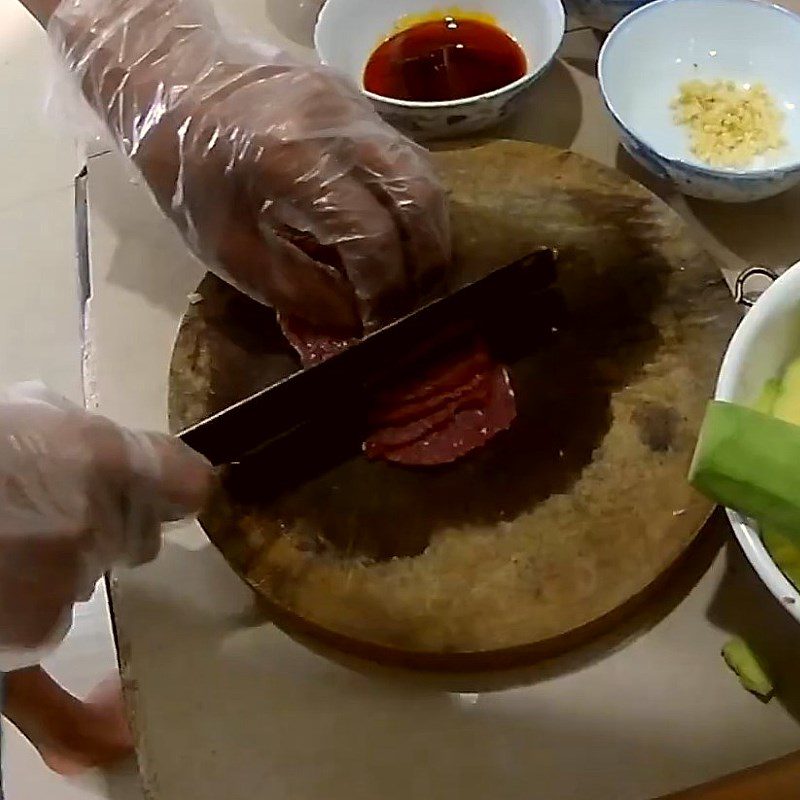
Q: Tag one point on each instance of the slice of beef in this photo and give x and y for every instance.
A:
(450, 398)
(467, 429)
(403, 413)
(457, 402)
(388, 436)
(311, 344)
(433, 382)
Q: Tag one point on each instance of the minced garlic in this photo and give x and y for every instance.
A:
(728, 125)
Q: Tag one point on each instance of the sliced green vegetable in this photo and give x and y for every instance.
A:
(731, 467)
(741, 659)
(751, 462)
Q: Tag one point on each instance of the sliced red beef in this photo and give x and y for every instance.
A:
(452, 402)
(468, 429)
(388, 435)
(438, 382)
(311, 344)
(404, 413)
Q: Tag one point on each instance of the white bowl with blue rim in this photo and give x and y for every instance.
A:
(661, 45)
(348, 31)
(602, 15)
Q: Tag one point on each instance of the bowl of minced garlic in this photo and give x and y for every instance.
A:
(729, 124)
(705, 94)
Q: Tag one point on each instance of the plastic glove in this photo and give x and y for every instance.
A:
(243, 148)
(78, 494)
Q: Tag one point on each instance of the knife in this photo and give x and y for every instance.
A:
(344, 380)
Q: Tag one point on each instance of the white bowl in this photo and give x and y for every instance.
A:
(764, 343)
(664, 43)
(348, 31)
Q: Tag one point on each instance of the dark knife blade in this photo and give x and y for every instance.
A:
(274, 412)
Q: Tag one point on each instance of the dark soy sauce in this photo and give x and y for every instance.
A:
(444, 59)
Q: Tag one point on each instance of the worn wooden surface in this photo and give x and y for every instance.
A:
(538, 541)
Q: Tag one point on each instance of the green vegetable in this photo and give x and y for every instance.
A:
(787, 404)
(751, 462)
(784, 552)
(781, 398)
(769, 394)
(735, 469)
(741, 659)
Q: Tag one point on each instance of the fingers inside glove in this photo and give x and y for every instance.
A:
(135, 482)
(40, 578)
(165, 473)
(219, 214)
(399, 173)
(320, 195)
(184, 476)
(271, 268)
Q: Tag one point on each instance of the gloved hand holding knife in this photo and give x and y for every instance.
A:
(245, 150)
(252, 155)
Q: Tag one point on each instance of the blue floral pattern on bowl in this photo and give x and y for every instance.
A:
(445, 122)
(695, 181)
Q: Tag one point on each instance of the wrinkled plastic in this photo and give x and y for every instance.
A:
(281, 176)
(78, 494)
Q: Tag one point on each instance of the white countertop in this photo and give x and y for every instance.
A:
(226, 705)
(40, 339)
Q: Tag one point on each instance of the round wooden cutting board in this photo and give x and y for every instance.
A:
(523, 549)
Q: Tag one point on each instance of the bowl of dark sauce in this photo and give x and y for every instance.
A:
(439, 72)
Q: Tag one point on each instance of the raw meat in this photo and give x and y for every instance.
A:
(468, 429)
(387, 436)
(311, 344)
(455, 399)
(453, 403)
(434, 384)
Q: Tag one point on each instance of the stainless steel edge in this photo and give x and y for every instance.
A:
(84, 280)
(81, 221)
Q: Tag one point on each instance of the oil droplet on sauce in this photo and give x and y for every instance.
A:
(448, 58)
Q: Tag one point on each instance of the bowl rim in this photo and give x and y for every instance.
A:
(744, 529)
(528, 77)
(654, 5)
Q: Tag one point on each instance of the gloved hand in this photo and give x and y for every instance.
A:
(78, 494)
(243, 148)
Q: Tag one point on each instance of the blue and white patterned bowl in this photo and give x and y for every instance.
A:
(666, 42)
(348, 31)
(602, 15)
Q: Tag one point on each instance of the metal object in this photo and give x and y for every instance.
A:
(740, 295)
(340, 384)
(81, 212)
